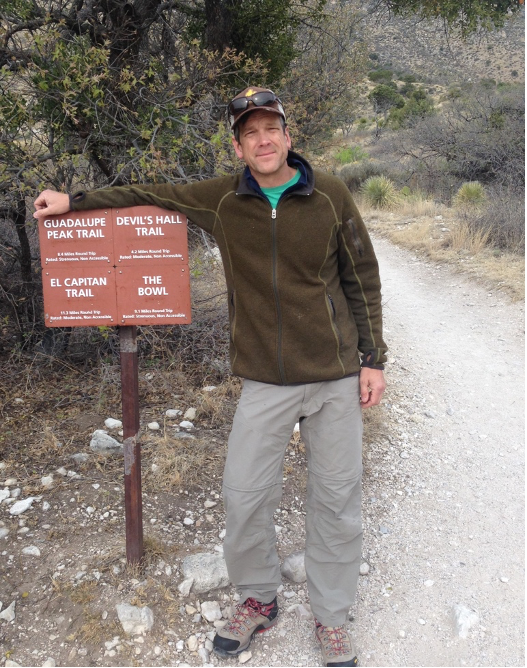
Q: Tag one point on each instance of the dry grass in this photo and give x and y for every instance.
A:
(444, 235)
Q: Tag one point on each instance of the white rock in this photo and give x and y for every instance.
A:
(188, 521)
(186, 424)
(204, 655)
(31, 551)
(46, 505)
(302, 612)
(428, 583)
(294, 567)
(504, 579)
(62, 470)
(4, 531)
(185, 586)
(421, 621)
(173, 413)
(211, 610)
(49, 663)
(12, 664)
(135, 620)
(110, 423)
(190, 414)
(464, 619)
(4, 494)
(180, 646)
(209, 388)
(8, 615)
(104, 444)
(10, 482)
(3, 466)
(20, 507)
(209, 571)
(364, 568)
(245, 656)
(46, 481)
(154, 426)
(210, 504)
(15, 493)
(192, 643)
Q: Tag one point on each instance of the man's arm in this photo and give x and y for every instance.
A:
(51, 203)
(372, 386)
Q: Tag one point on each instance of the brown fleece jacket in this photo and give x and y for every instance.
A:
(303, 282)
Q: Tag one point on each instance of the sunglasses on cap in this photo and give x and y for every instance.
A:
(258, 99)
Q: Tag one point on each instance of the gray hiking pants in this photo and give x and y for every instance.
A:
(331, 429)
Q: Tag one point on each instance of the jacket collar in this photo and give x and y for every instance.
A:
(249, 185)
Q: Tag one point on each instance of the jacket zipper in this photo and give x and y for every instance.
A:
(281, 368)
(334, 318)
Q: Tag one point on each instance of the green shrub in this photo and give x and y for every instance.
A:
(351, 154)
(355, 174)
(408, 78)
(380, 75)
(470, 194)
(380, 193)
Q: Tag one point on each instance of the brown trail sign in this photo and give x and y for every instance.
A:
(121, 267)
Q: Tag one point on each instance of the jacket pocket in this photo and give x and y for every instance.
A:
(357, 241)
(333, 313)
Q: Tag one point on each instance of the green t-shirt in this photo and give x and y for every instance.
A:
(274, 194)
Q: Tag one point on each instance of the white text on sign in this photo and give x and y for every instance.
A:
(153, 286)
(155, 221)
(79, 287)
(75, 228)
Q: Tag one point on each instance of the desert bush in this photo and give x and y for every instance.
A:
(382, 76)
(380, 193)
(351, 154)
(355, 174)
(504, 219)
(470, 194)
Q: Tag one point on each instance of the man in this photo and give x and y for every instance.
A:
(306, 336)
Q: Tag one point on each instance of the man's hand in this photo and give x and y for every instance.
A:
(372, 386)
(51, 203)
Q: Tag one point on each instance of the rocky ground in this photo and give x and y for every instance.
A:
(442, 575)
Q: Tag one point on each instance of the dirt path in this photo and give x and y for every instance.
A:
(443, 515)
(455, 527)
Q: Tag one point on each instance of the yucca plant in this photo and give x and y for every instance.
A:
(380, 193)
(471, 194)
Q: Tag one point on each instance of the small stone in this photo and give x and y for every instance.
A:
(245, 656)
(20, 507)
(464, 619)
(209, 388)
(46, 481)
(211, 610)
(46, 505)
(404, 455)
(384, 530)
(8, 615)
(135, 620)
(450, 410)
(49, 663)
(504, 579)
(104, 444)
(173, 413)
(192, 643)
(197, 618)
(428, 583)
(15, 493)
(402, 634)
(4, 494)
(430, 414)
(63, 471)
(294, 567)
(188, 521)
(364, 568)
(80, 457)
(180, 646)
(154, 426)
(421, 621)
(289, 594)
(10, 482)
(210, 504)
(190, 609)
(110, 423)
(185, 586)
(12, 664)
(31, 551)
(186, 424)
(302, 612)
(4, 531)
(157, 650)
(190, 414)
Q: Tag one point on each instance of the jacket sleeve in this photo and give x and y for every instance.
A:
(198, 201)
(359, 277)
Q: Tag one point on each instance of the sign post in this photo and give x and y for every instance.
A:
(118, 267)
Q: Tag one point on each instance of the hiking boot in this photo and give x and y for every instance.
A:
(249, 618)
(335, 642)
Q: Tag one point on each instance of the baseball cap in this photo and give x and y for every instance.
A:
(252, 99)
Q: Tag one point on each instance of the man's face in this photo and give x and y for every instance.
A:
(263, 146)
